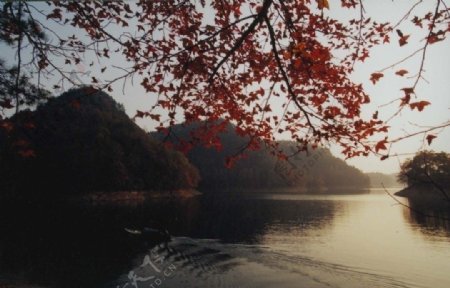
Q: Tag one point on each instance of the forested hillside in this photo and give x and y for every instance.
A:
(314, 171)
(84, 141)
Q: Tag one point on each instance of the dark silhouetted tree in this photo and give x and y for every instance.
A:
(426, 168)
(83, 141)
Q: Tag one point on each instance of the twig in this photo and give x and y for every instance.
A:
(447, 124)
(237, 45)
(283, 72)
(19, 53)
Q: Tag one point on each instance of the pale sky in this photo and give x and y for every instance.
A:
(436, 91)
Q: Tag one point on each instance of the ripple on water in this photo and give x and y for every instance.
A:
(188, 262)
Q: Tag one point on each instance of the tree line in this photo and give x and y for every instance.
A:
(83, 141)
(315, 170)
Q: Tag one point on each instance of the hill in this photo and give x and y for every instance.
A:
(315, 171)
(83, 141)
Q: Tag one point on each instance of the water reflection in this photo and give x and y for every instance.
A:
(229, 241)
(432, 218)
(63, 246)
(245, 220)
(83, 245)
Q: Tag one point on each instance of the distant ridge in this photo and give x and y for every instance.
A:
(317, 171)
(378, 180)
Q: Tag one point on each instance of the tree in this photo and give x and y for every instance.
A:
(16, 89)
(427, 170)
(218, 59)
(82, 141)
(315, 171)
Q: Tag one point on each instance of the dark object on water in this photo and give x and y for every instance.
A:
(151, 235)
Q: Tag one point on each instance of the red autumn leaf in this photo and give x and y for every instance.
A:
(6, 125)
(75, 104)
(27, 153)
(155, 117)
(21, 143)
(158, 78)
(6, 104)
(349, 3)
(384, 157)
(229, 162)
(29, 125)
(374, 77)
(436, 37)
(89, 90)
(403, 40)
(322, 4)
(405, 100)
(430, 138)
(42, 64)
(375, 115)
(417, 21)
(381, 145)
(56, 14)
(184, 147)
(140, 114)
(401, 72)
(433, 39)
(419, 105)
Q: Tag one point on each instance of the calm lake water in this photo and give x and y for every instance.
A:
(266, 240)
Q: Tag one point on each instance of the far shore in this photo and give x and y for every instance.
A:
(137, 196)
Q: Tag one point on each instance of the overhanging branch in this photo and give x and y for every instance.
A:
(283, 72)
(259, 18)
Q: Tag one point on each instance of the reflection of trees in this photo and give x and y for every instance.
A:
(430, 216)
(237, 219)
(67, 246)
(62, 246)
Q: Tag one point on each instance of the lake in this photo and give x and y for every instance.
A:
(262, 240)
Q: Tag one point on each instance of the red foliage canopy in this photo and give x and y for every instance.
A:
(270, 67)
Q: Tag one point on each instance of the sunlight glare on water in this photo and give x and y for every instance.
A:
(371, 233)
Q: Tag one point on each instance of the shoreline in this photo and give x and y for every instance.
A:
(136, 196)
(421, 193)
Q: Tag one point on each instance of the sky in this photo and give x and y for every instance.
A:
(436, 88)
